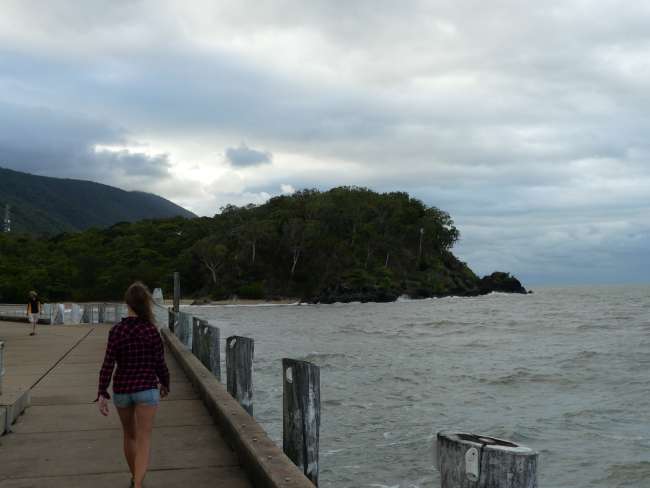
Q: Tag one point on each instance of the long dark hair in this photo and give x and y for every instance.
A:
(138, 297)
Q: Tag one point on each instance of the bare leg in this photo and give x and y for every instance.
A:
(144, 415)
(127, 417)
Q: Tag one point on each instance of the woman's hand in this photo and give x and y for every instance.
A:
(164, 391)
(102, 404)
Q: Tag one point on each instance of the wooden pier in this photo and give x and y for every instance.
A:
(61, 440)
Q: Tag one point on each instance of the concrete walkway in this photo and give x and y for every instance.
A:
(63, 441)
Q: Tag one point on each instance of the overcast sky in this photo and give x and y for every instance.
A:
(527, 121)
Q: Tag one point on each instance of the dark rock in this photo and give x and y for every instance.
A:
(344, 294)
(500, 282)
(201, 301)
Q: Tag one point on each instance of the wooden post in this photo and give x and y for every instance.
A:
(239, 370)
(177, 291)
(171, 319)
(2, 365)
(183, 329)
(301, 415)
(474, 461)
(206, 345)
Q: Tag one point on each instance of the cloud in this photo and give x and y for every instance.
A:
(286, 189)
(527, 123)
(57, 143)
(243, 156)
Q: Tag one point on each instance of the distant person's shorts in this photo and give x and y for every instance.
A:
(33, 318)
(144, 397)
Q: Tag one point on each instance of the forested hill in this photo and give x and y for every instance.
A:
(346, 244)
(45, 205)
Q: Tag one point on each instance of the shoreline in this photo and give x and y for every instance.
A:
(198, 302)
(236, 301)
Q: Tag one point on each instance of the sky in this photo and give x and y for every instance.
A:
(527, 121)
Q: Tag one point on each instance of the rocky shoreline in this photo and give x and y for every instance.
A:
(496, 282)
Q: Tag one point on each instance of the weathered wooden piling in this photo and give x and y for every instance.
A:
(2, 367)
(301, 415)
(183, 328)
(171, 319)
(239, 370)
(475, 461)
(177, 291)
(206, 345)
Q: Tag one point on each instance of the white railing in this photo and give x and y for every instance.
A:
(13, 310)
(68, 313)
(19, 311)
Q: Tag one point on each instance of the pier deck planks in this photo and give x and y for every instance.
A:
(62, 441)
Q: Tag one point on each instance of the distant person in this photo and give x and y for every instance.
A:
(33, 310)
(140, 380)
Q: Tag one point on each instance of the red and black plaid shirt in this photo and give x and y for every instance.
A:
(136, 346)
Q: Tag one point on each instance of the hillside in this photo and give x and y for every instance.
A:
(346, 244)
(45, 205)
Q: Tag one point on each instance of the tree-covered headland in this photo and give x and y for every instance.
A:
(345, 244)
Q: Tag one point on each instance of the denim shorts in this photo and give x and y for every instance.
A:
(144, 397)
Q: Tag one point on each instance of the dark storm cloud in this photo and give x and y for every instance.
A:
(56, 143)
(243, 156)
(189, 90)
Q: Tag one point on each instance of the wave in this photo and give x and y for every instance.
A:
(591, 412)
(629, 474)
(582, 359)
(526, 376)
(325, 359)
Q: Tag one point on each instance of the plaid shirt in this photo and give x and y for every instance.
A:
(137, 348)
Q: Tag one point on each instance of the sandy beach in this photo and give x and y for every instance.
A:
(236, 301)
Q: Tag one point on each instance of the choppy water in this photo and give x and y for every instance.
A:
(564, 371)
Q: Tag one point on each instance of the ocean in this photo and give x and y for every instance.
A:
(565, 371)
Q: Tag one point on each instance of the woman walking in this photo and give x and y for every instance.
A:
(140, 380)
(33, 311)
